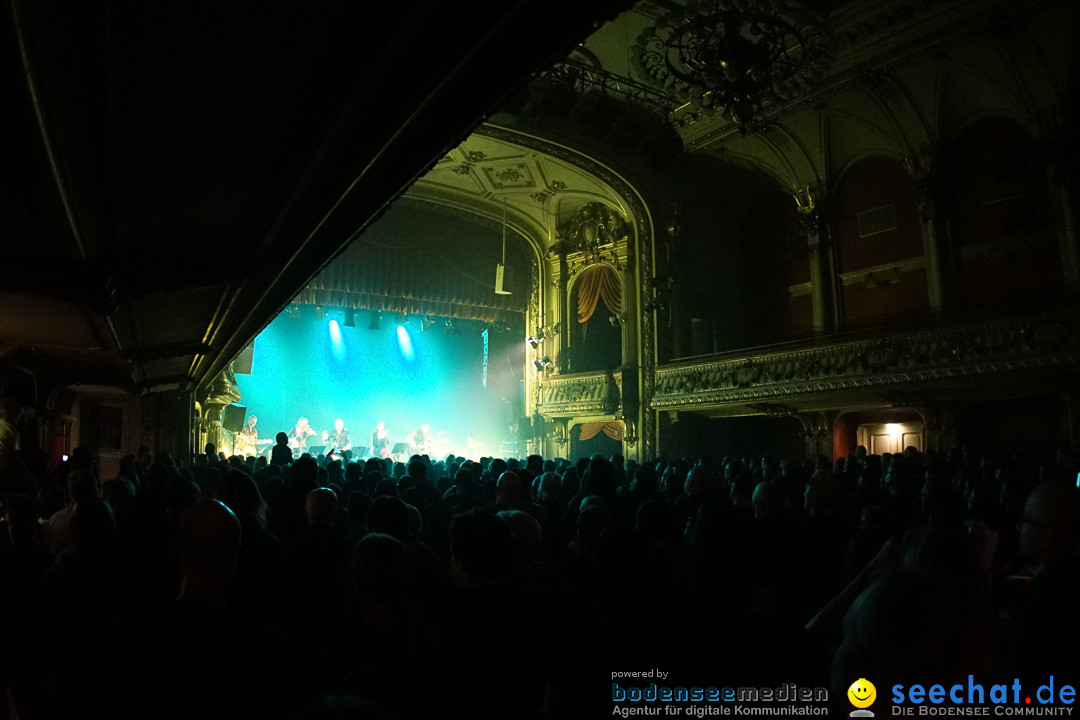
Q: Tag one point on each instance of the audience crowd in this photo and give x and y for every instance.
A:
(505, 588)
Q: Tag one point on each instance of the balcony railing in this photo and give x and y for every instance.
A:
(896, 362)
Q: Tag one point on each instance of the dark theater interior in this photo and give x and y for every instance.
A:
(529, 360)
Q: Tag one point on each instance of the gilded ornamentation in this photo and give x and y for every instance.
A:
(585, 394)
(507, 177)
(554, 188)
(974, 350)
(592, 229)
(471, 158)
(639, 248)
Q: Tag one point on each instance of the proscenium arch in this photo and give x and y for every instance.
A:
(641, 238)
(518, 225)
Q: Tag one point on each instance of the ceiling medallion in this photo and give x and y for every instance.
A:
(736, 56)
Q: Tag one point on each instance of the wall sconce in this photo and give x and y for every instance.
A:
(558, 435)
(616, 320)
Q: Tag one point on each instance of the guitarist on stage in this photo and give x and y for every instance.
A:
(245, 439)
(422, 441)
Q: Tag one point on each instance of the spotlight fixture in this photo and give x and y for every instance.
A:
(350, 318)
(534, 341)
(542, 363)
(374, 320)
(427, 323)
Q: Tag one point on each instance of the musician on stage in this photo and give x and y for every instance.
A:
(422, 440)
(339, 438)
(245, 439)
(298, 437)
(380, 441)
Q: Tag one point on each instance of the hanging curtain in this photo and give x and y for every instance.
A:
(590, 430)
(596, 283)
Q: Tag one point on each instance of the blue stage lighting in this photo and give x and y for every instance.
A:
(337, 344)
(405, 343)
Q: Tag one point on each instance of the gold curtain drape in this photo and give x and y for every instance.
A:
(590, 430)
(596, 283)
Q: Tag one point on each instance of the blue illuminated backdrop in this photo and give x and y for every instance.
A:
(315, 367)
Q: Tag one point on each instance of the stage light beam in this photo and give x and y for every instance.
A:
(337, 343)
(405, 343)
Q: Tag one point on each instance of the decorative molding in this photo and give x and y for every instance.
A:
(591, 232)
(553, 188)
(978, 350)
(639, 250)
(886, 274)
(868, 38)
(472, 157)
(580, 394)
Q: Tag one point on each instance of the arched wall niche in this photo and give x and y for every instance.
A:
(877, 236)
(1002, 215)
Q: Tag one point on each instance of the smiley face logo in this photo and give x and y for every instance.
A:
(862, 693)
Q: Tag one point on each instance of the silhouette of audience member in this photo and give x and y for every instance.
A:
(197, 659)
(460, 497)
(257, 587)
(390, 515)
(1043, 631)
(527, 536)
(387, 646)
(483, 620)
(58, 531)
(281, 453)
(907, 626)
(318, 565)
